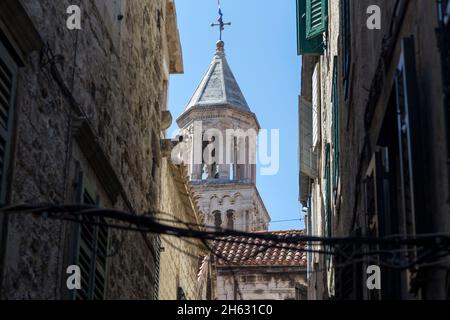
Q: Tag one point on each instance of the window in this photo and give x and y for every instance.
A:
(8, 79)
(395, 179)
(349, 272)
(180, 294)
(92, 241)
(447, 13)
(316, 17)
(301, 292)
(308, 158)
(230, 220)
(444, 11)
(335, 128)
(217, 220)
(312, 21)
(327, 225)
(345, 42)
(316, 106)
(411, 145)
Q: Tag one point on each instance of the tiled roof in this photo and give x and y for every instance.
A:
(244, 251)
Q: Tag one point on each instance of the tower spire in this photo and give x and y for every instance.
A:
(220, 23)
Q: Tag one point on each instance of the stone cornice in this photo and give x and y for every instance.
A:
(217, 185)
(263, 269)
(173, 40)
(198, 113)
(97, 158)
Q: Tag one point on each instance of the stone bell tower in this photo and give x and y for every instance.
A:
(221, 131)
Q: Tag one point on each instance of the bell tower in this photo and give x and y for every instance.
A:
(221, 132)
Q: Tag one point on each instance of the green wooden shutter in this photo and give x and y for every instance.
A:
(8, 80)
(91, 249)
(316, 17)
(306, 46)
(345, 42)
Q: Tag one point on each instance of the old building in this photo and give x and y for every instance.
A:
(253, 269)
(374, 143)
(82, 116)
(226, 183)
(219, 134)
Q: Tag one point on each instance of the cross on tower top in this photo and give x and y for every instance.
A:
(221, 24)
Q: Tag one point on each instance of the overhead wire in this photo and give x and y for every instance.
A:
(435, 242)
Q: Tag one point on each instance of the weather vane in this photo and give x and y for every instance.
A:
(221, 24)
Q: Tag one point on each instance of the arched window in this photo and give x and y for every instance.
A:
(247, 220)
(210, 170)
(230, 219)
(217, 220)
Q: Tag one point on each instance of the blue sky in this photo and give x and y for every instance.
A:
(261, 50)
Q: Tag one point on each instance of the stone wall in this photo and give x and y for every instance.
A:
(364, 116)
(112, 75)
(375, 55)
(242, 198)
(179, 257)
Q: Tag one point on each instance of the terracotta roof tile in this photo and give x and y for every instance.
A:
(244, 251)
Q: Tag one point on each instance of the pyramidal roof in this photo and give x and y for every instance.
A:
(219, 86)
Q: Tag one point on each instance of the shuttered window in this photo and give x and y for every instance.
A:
(412, 148)
(309, 37)
(345, 42)
(316, 106)
(447, 13)
(8, 79)
(335, 127)
(92, 250)
(327, 224)
(181, 296)
(444, 11)
(350, 271)
(316, 17)
(308, 157)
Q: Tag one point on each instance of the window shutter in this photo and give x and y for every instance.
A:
(335, 127)
(316, 106)
(308, 158)
(156, 240)
(345, 41)
(305, 46)
(180, 294)
(445, 7)
(91, 249)
(316, 17)
(411, 147)
(8, 79)
(327, 225)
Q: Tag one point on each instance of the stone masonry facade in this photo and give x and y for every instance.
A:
(179, 256)
(88, 101)
(358, 139)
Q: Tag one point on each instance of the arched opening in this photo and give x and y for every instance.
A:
(217, 220)
(230, 220)
(210, 168)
